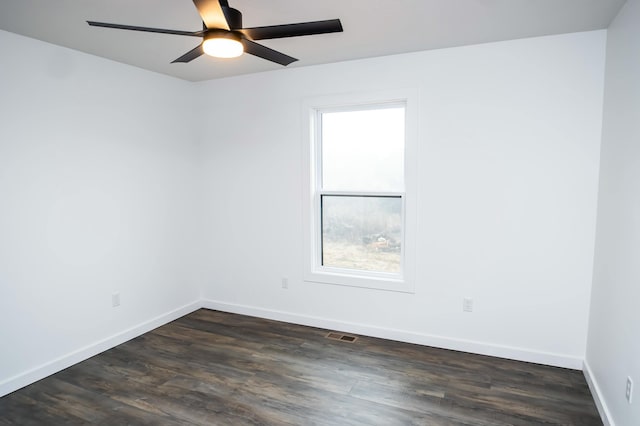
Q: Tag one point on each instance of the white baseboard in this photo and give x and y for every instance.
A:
(482, 348)
(601, 405)
(16, 382)
(21, 380)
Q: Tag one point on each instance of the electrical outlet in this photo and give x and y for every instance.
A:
(467, 304)
(629, 391)
(285, 282)
(115, 300)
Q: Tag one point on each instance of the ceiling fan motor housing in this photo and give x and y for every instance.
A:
(216, 33)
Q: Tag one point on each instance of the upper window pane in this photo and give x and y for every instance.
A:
(363, 150)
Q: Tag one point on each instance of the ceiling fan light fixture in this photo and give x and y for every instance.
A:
(223, 36)
(223, 45)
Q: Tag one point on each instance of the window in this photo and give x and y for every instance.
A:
(357, 218)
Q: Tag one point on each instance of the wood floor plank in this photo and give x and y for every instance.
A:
(215, 368)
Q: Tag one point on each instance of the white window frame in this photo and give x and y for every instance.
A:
(314, 271)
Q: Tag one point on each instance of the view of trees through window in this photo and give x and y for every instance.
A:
(362, 232)
(362, 184)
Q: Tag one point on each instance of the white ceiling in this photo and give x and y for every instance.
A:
(371, 28)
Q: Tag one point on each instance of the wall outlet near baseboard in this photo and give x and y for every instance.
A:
(467, 304)
(629, 391)
(115, 299)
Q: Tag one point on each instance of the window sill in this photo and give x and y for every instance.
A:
(374, 282)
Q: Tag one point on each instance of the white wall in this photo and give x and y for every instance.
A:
(508, 175)
(98, 194)
(101, 190)
(613, 351)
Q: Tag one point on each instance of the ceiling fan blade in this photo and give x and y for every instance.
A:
(266, 53)
(212, 14)
(145, 29)
(190, 55)
(293, 30)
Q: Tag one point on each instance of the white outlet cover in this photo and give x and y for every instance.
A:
(467, 304)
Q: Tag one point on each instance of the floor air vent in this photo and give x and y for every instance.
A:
(341, 337)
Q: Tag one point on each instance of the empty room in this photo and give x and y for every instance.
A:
(333, 213)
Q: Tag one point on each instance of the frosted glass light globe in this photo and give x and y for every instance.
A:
(222, 47)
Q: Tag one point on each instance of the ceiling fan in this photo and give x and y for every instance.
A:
(223, 36)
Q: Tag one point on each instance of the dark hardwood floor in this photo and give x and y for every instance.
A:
(214, 368)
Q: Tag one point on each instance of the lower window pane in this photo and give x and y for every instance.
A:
(362, 232)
